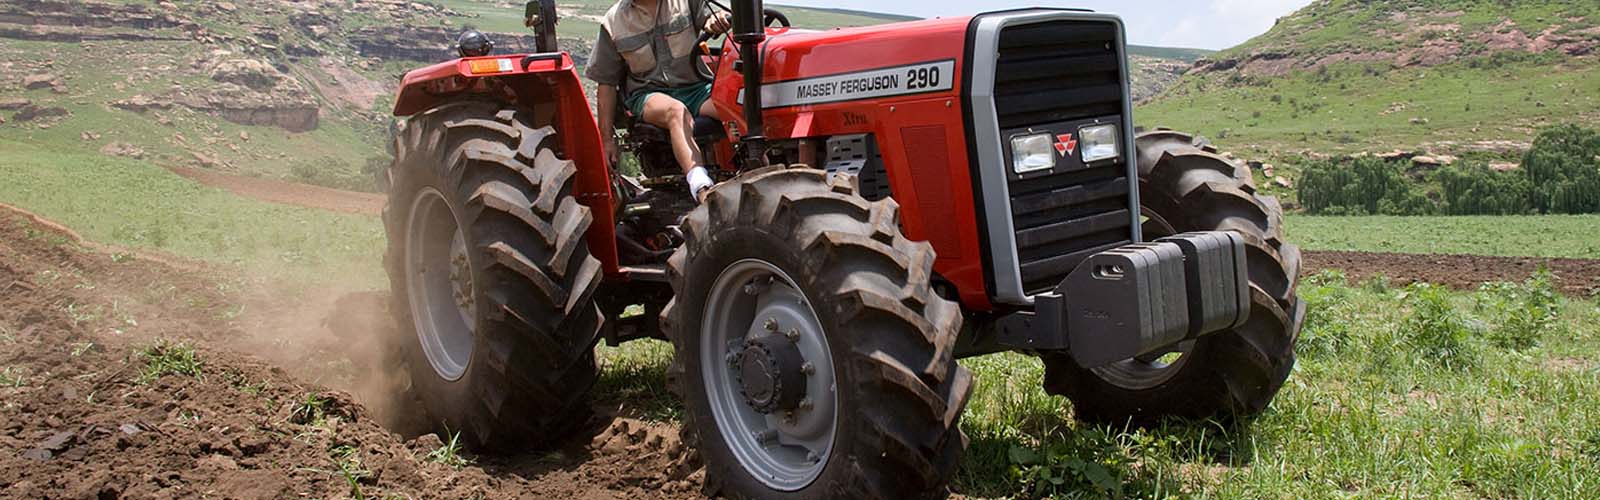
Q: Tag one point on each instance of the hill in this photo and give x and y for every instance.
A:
(1447, 76)
(1174, 53)
(283, 89)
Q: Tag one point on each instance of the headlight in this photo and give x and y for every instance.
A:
(1099, 143)
(1032, 152)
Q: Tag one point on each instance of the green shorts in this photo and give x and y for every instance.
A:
(692, 97)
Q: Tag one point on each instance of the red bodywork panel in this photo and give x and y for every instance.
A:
(544, 81)
(922, 137)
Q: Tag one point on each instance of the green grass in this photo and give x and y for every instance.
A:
(1571, 236)
(449, 453)
(1333, 25)
(166, 358)
(1181, 54)
(1374, 409)
(1479, 95)
(340, 145)
(13, 377)
(1398, 392)
(579, 18)
(311, 410)
(348, 464)
(1350, 109)
(134, 203)
(634, 377)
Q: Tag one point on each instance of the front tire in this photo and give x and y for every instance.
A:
(1184, 185)
(782, 252)
(491, 276)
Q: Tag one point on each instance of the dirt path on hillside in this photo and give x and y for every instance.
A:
(76, 421)
(287, 193)
(1575, 277)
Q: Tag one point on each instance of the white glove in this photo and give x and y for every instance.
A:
(699, 181)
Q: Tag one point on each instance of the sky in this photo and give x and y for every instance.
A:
(1201, 24)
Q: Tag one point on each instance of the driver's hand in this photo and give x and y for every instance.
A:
(718, 24)
(613, 153)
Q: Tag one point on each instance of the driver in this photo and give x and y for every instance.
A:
(646, 54)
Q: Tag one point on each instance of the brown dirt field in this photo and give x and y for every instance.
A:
(287, 193)
(1576, 277)
(78, 423)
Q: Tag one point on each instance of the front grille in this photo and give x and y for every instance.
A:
(1057, 71)
(1048, 74)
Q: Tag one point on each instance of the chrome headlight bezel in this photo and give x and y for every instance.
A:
(1032, 152)
(1102, 142)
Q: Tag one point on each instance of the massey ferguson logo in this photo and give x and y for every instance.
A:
(1065, 144)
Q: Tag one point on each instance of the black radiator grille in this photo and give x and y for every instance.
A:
(1057, 71)
(1049, 73)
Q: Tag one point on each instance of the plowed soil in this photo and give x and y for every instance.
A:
(1576, 277)
(77, 421)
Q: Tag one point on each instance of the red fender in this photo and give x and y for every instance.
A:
(530, 81)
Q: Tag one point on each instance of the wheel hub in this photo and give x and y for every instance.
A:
(439, 284)
(770, 374)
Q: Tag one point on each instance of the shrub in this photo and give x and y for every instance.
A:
(1327, 329)
(1524, 313)
(1479, 190)
(1563, 169)
(1437, 331)
(1360, 186)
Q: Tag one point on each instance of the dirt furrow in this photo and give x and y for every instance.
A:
(277, 408)
(1576, 277)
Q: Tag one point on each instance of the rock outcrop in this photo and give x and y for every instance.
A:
(72, 21)
(245, 91)
(434, 44)
(33, 112)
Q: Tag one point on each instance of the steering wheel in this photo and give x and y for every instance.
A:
(768, 16)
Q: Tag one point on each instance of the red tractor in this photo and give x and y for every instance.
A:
(954, 187)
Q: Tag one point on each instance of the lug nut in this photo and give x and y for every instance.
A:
(765, 437)
(807, 405)
(808, 368)
(732, 359)
(793, 335)
(755, 287)
(771, 324)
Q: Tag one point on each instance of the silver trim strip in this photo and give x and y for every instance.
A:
(986, 131)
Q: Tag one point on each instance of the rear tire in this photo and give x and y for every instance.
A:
(510, 363)
(1184, 185)
(890, 340)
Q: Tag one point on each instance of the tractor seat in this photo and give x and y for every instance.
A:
(704, 128)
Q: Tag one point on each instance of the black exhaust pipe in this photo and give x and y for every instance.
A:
(749, 31)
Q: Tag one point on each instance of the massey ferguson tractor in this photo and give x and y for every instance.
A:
(892, 199)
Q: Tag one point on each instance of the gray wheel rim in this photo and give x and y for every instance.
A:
(439, 284)
(786, 451)
(1156, 368)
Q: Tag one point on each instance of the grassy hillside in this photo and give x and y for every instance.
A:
(1450, 76)
(580, 18)
(1174, 53)
(135, 204)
